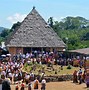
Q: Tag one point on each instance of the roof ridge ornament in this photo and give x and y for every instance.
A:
(34, 7)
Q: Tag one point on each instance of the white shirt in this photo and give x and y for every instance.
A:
(27, 76)
(3, 73)
(43, 81)
(10, 75)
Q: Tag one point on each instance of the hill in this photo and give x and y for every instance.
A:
(1, 29)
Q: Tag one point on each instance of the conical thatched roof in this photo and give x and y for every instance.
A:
(34, 32)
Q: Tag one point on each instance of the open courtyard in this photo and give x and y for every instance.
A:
(65, 85)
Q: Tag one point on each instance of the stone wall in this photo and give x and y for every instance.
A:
(59, 78)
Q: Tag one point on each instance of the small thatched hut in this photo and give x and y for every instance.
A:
(33, 34)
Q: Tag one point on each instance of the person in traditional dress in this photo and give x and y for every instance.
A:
(80, 76)
(27, 76)
(22, 86)
(3, 74)
(83, 76)
(29, 85)
(32, 76)
(17, 87)
(43, 84)
(75, 77)
(36, 83)
(15, 76)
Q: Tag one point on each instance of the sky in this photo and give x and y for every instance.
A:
(12, 11)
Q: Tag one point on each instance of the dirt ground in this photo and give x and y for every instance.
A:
(66, 85)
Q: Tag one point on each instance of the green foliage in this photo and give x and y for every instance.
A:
(74, 40)
(50, 21)
(4, 33)
(68, 67)
(7, 32)
(85, 37)
(74, 31)
(15, 26)
(72, 23)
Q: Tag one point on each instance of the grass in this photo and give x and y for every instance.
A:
(48, 70)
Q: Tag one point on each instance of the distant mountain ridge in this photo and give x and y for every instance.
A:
(1, 29)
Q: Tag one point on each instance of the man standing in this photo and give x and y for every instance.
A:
(43, 84)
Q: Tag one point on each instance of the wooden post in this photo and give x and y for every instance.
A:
(31, 49)
(41, 50)
(50, 49)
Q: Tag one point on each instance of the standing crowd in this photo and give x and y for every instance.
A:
(11, 68)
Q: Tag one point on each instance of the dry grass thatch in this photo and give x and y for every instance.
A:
(34, 32)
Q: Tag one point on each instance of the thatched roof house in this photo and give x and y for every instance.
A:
(34, 32)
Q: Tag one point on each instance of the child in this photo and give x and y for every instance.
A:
(29, 85)
(22, 86)
(16, 88)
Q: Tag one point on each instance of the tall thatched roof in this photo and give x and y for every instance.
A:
(34, 32)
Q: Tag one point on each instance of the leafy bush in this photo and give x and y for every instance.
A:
(69, 67)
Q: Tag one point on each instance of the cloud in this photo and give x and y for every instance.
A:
(58, 18)
(16, 17)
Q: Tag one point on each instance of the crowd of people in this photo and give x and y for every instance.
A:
(11, 67)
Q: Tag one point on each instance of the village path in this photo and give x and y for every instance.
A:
(65, 85)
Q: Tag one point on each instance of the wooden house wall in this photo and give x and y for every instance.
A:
(15, 50)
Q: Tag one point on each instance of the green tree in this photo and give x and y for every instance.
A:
(5, 33)
(50, 21)
(15, 26)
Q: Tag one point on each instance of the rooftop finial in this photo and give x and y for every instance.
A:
(33, 7)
